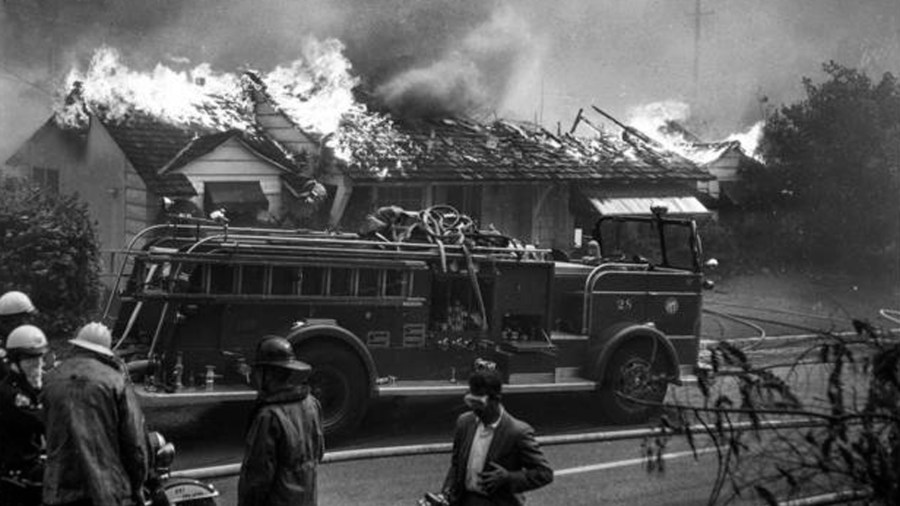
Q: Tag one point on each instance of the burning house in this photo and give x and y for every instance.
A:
(724, 160)
(293, 147)
(526, 181)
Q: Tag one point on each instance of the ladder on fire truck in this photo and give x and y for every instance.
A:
(201, 241)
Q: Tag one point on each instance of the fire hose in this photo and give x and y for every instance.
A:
(230, 470)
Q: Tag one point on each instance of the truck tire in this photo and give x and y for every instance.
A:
(338, 381)
(631, 370)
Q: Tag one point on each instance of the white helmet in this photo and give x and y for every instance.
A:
(95, 337)
(26, 340)
(12, 303)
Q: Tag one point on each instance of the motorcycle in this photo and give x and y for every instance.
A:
(164, 490)
(161, 489)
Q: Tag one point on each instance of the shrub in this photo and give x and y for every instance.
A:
(849, 441)
(48, 249)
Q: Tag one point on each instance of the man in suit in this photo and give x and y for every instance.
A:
(495, 456)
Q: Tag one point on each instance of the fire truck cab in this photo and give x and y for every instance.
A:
(382, 318)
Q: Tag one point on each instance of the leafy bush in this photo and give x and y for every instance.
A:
(752, 240)
(48, 249)
(833, 165)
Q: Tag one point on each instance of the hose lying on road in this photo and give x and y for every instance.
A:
(228, 470)
(890, 314)
(737, 319)
(772, 310)
(842, 497)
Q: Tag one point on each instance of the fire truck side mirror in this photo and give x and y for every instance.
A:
(712, 263)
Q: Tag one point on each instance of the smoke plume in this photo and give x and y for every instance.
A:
(522, 59)
(470, 77)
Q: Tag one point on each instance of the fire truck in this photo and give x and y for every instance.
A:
(409, 312)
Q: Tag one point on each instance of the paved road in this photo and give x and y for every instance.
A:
(608, 474)
(587, 474)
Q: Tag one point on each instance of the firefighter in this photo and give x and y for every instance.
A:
(593, 256)
(285, 442)
(21, 425)
(96, 441)
(15, 309)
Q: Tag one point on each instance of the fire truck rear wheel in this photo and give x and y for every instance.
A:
(338, 381)
(632, 372)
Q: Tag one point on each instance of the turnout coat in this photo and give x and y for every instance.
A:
(21, 427)
(512, 447)
(96, 440)
(284, 446)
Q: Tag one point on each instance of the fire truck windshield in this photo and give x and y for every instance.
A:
(665, 243)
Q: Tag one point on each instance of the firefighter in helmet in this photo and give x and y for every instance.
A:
(15, 309)
(284, 443)
(21, 424)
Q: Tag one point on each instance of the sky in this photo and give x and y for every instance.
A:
(517, 59)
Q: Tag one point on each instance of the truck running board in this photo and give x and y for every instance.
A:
(441, 388)
(193, 397)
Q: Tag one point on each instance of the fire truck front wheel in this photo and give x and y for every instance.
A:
(632, 373)
(338, 381)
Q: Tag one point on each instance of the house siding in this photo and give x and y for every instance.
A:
(103, 182)
(508, 207)
(724, 169)
(91, 165)
(553, 224)
(232, 162)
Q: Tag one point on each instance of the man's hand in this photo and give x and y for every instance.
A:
(495, 479)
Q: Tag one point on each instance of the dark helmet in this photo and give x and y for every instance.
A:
(276, 351)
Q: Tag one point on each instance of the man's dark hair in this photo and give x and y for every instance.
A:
(486, 381)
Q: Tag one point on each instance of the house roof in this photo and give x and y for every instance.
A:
(706, 153)
(149, 144)
(156, 148)
(260, 144)
(410, 150)
(465, 150)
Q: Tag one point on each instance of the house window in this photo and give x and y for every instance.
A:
(407, 197)
(46, 179)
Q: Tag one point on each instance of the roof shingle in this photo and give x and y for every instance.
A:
(463, 150)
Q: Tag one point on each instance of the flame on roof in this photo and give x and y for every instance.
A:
(313, 92)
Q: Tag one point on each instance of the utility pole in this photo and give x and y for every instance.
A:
(698, 16)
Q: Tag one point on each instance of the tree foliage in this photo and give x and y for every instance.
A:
(849, 440)
(833, 161)
(48, 249)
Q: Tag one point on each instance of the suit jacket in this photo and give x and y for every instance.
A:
(512, 447)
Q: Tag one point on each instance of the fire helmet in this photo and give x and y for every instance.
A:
(95, 337)
(26, 340)
(14, 303)
(276, 351)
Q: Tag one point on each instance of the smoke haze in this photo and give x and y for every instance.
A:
(525, 59)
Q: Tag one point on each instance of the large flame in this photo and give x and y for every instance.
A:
(750, 139)
(314, 92)
(663, 122)
(197, 97)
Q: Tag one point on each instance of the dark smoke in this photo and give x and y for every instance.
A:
(523, 59)
(472, 77)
